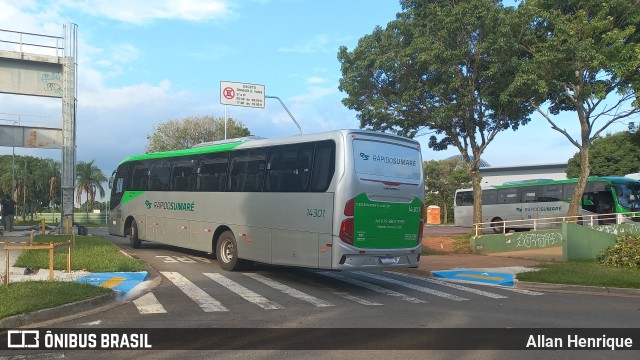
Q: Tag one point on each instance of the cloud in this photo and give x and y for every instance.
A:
(144, 11)
(314, 80)
(318, 44)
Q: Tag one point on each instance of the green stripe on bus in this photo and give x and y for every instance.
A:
(184, 152)
(130, 195)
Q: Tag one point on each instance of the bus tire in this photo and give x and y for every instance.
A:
(227, 252)
(134, 241)
(495, 225)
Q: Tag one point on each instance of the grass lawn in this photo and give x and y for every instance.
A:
(588, 273)
(91, 253)
(29, 296)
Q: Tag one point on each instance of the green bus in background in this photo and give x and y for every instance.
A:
(344, 199)
(514, 205)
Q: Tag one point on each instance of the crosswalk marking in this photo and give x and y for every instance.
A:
(413, 286)
(149, 304)
(244, 292)
(348, 296)
(372, 287)
(289, 291)
(525, 292)
(204, 300)
(451, 285)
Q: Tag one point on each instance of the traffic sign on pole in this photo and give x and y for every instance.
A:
(241, 94)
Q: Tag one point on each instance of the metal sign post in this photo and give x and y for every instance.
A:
(248, 95)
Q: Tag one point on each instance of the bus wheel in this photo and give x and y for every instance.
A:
(497, 225)
(134, 241)
(227, 252)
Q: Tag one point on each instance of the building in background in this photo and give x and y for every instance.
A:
(498, 175)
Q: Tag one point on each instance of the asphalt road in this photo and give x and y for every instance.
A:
(194, 292)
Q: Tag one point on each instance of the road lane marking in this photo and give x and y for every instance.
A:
(451, 285)
(353, 298)
(244, 292)
(289, 291)
(149, 304)
(412, 286)
(372, 287)
(204, 300)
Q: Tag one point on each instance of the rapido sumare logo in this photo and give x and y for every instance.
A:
(148, 204)
(391, 160)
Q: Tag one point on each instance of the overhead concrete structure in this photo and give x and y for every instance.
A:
(45, 66)
(498, 175)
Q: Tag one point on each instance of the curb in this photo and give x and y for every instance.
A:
(578, 289)
(56, 312)
(77, 309)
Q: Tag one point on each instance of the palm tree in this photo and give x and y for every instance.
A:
(54, 173)
(89, 179)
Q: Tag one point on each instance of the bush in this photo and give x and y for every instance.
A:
(625, 253)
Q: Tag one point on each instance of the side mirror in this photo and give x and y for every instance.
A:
(110, 182)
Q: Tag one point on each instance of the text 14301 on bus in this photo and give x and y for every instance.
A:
(342, 199)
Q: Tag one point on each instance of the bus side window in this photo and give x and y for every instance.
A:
(289, 167)
(489, 197)
(551, 193)
(324, 162)
(248, 168)
(508, 196)
(529, 194)
(139, 176)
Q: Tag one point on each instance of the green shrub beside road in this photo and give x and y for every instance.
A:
(624, 254)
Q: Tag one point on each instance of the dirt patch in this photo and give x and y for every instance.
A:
(440, 243)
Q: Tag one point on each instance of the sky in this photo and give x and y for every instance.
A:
(144, 62)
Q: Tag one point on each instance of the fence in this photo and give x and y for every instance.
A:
(24, 245)
(502, 227)
(54, 218)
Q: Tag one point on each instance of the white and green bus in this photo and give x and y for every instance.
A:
(342, 199)
(514, 205)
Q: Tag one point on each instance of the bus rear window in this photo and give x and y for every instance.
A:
(387, 160)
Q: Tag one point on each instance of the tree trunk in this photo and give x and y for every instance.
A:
(576, 199)
(477, 195)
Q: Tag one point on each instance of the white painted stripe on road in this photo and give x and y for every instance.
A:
(348, 296)
(149, 304)
(244, 292)
(523, 291)
(451, 285)
(372, 287)
(412, 286)
(204, 300)
(289, 290)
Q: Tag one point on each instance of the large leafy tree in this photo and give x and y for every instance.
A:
(183, 134)
(582, 56)
(442, 179)
(613, 155)
(443, 66)
(89, 180)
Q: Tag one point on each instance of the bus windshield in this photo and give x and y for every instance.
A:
(628, 195)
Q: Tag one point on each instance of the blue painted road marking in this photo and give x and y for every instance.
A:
(118, 281)
(494, 278)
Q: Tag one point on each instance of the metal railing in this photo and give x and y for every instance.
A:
(31, 41)
(503, 226)
(29, 245)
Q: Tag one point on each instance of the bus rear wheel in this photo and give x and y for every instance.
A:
(497, 224)
(134, 241)
(227, 252)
